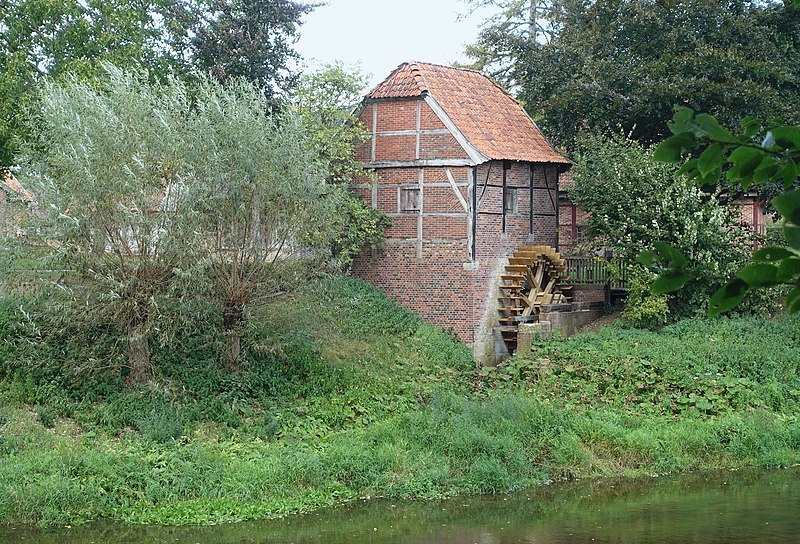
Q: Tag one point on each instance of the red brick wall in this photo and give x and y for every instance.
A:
(433, 275)
(428, 276)
(421, 130)
(571, 221)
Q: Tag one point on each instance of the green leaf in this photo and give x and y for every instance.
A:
(787, 137)
(745, 160)
(750, 126)
(711, 126)
(759, 274)
(793, 300)
(669, 280)
(766, 170)
(689, 168)
(681, 120)
(673, 148)
(710, 159)
(726, 298)
(772, 254)
(646, 258)
(787, 172)
(792, 235)
(788, 205)
(671, 254)
(708, 182)
(788, 269)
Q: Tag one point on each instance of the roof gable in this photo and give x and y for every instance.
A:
(489, 118)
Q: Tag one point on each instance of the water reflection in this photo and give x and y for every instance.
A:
(729, 507)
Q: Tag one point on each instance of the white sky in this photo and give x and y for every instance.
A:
(379, 35)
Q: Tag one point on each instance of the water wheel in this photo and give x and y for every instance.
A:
(534, 275)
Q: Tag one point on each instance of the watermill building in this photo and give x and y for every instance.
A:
(466, 177)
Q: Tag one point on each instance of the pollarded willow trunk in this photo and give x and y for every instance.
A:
(232, 350)
(138, 353)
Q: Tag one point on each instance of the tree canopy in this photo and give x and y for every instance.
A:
(228, 38)
(623, 64)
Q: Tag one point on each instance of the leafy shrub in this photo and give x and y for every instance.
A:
(46, 417)
(634, 202)
(642, 308)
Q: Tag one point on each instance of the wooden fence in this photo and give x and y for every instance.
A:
(597, 270)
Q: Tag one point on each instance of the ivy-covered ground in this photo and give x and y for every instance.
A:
(346, 395)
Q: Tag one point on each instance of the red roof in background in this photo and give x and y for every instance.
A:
(13, 185)
(490, 118)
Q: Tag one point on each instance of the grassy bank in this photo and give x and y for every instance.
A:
(351, 397)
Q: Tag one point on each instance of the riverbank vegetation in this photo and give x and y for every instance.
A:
(350, 396)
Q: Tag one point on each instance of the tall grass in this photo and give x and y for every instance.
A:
(450, 447)
(347, 395)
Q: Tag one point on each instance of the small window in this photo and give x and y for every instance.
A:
(511, 206)
(409, 199)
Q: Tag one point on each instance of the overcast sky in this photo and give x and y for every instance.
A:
(381, 34)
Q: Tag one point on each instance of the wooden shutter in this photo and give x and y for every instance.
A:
(409, 199)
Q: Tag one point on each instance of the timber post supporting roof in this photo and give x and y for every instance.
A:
(487, 121)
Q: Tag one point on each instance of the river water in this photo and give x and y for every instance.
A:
(719, 507)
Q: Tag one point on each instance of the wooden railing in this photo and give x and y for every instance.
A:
(598, 271)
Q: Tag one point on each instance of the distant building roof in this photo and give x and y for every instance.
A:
(10, 182)
(488, 117)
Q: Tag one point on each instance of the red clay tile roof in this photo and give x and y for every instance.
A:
(490, 119)
(12, 184)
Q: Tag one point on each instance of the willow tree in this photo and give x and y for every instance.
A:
(107, 181)
(266, 215)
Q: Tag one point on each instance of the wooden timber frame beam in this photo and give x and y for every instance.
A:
(506, 168)
(553, 201)
(530, 197)
(473, 227)
(550, 188)
(558, 214)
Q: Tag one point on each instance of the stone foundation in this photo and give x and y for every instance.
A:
(565, 319)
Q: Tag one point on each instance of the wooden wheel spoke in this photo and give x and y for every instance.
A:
(534, 277)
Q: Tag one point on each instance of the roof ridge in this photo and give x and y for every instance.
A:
(474, 71)
(444, 66)
(419, 79)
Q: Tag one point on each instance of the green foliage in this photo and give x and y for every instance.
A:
(643, 308)
(229, 39)
(760, 154)
(451, 446)
(361, 398)
(335, 355)
(53, 39)
(691, 368)
(105, 161)
(153, 206)
(162, 424)
(622, 65)
(635, 203)
(325, 101)
(250, 39)
(360, 226)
